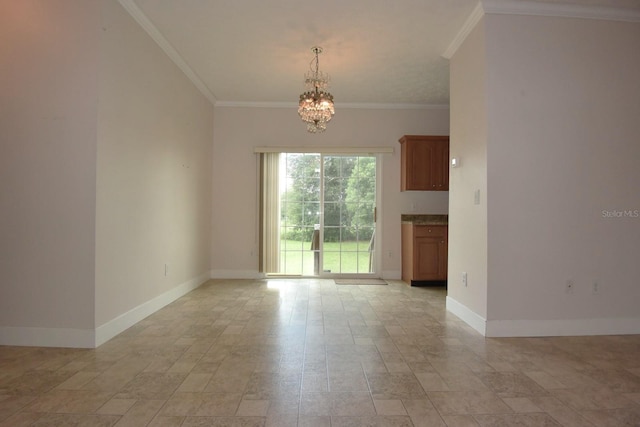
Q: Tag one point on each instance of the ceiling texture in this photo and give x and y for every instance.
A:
(377, 52)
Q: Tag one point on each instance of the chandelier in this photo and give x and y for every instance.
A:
(316, 105)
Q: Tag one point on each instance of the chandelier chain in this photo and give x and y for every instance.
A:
(317, 51)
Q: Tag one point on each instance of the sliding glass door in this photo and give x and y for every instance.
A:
(300, 207)
(327, 215)
(349, 190)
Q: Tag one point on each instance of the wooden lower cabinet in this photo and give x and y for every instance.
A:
(424, 253)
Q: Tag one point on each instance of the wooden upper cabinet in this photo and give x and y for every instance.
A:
(424, 163)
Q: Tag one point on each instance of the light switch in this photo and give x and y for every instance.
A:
(476, 197)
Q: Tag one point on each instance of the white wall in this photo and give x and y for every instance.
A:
(551, 104)
(467, 220)
(155, 133)
(105, 174)
(238, 130)
(48, 75)
(563, 147)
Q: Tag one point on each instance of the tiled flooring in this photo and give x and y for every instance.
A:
(311, 353)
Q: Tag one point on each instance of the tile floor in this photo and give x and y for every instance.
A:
(312, 353)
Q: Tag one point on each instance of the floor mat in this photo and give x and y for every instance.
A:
(360, 282)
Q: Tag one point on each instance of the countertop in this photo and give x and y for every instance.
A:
(424, 219)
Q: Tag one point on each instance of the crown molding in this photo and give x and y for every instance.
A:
(359, 106)
(364, 106)
(563, 10)
(333, 150)
(255, 104)
(168, 49)
(138, 15)
(538, 8)
(468, 25)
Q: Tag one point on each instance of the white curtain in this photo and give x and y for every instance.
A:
(270, 199)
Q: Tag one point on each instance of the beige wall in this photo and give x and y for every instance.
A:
(105, 174)
(239, 130)
(561, 113)
(155, 133)
(467, 220)
(48, 74)
(563, 148)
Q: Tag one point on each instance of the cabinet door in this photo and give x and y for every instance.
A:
(440, 167)
(427, 261)
(424, 163)
(430, 253)
(420, 157)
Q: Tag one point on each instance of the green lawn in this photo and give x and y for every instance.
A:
(296, 257)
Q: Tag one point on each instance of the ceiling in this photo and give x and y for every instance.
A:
(378, 52)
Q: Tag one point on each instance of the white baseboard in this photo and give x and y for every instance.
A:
(473, 319)
(543, 328)
(47, 337)
(392, 274)
(91, 338)
(563, 327)
(236, 274)
(253, 274)
(113, 327)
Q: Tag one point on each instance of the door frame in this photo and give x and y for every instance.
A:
(337, 150)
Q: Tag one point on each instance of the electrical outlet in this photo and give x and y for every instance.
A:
(464, 279)
(595, 289)
(568, 287)
(389, 254)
